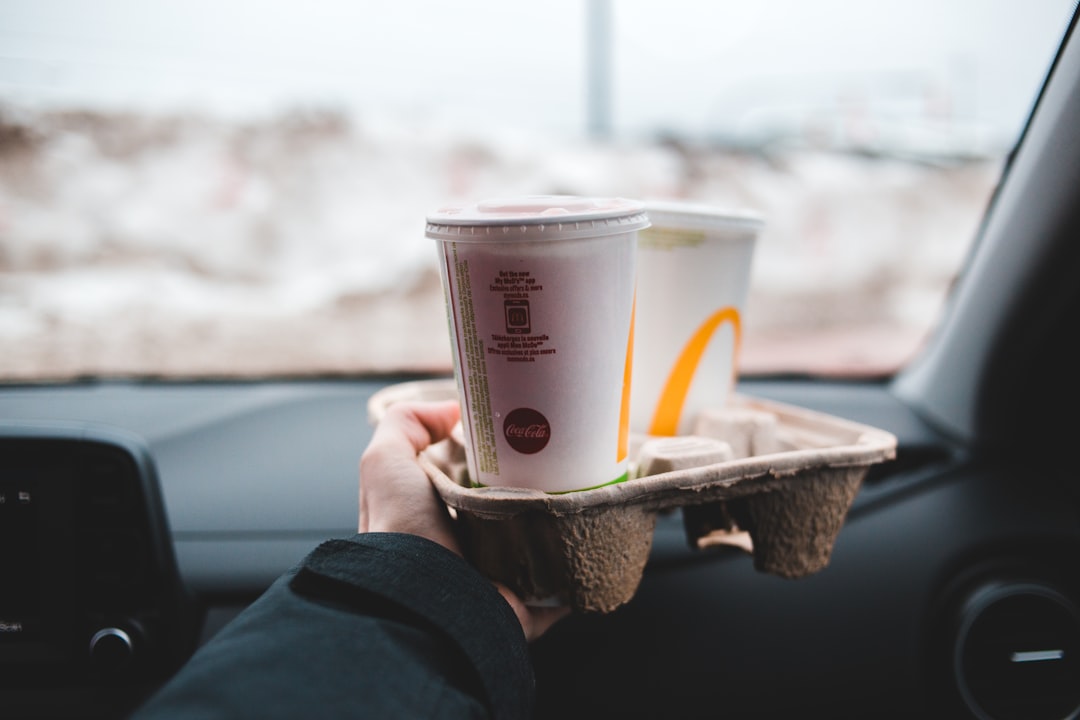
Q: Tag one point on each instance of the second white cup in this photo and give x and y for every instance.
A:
(693, 279)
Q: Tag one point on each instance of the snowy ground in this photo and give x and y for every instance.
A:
(184, 246)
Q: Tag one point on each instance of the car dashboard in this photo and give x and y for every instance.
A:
(140, 517)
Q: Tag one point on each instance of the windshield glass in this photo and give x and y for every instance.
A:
(207, 189)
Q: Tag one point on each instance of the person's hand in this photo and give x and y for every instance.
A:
(396, 495)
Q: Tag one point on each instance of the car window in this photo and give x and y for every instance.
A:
(196, 189)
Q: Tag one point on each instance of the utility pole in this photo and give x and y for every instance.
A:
(598, 70)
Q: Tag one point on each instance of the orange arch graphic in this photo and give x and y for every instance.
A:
(665, 420)
(624, 410)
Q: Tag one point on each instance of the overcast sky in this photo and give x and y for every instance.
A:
(700, 66)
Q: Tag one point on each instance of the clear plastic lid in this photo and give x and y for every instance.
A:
(537, 217)
(701, 216)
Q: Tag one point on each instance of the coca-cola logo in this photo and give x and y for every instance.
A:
(526, 430)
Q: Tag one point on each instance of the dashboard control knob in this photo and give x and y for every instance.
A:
(111, 648)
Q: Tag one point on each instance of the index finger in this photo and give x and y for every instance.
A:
(413, 426)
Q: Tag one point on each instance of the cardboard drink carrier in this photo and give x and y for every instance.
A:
(773, 479)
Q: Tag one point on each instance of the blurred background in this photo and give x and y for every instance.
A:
(203, 189)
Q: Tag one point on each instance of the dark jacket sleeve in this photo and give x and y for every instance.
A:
(380, 625)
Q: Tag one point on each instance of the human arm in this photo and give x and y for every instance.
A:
(389, 623)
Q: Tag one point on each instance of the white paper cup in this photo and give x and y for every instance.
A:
(540, 303)
(694, 276)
